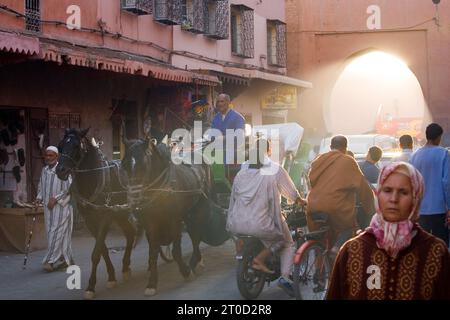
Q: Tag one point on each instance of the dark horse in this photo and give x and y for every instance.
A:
(170, 196)
(99, 193)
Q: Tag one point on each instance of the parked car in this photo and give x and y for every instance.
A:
(360, 144)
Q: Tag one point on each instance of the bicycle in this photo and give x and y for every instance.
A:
(312, 262)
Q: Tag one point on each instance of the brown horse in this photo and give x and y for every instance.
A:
(171, 195)
(99, 192)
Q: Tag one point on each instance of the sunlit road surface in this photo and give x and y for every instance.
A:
(216, 281)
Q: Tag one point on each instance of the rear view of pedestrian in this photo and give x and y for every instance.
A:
(433, 162)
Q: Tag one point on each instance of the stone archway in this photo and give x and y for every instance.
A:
(372, 86)
(333, 51)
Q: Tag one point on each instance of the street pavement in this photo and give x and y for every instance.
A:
(216, 281)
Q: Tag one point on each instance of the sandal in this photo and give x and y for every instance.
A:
(48, 267)
(261, 267)
(61, 266)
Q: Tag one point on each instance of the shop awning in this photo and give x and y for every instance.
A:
(233, 79)
(14, 43)
(282, 79)
(256, 74)
(116, 61)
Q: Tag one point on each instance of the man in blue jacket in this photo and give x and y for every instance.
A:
(433, 162)
(227, 118)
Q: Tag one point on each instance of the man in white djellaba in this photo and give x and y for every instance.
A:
(255, 209)
(53, 193)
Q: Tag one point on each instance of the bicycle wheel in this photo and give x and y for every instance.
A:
(250, 282)
(311, 274)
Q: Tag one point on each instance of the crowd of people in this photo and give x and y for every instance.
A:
(395, 218)
(406, 206)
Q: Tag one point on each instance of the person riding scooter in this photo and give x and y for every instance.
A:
(255, 210)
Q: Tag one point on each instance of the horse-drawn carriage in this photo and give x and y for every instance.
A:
(165, 197)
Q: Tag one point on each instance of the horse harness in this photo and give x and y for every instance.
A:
(136, 194)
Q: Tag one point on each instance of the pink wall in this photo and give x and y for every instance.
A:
(323, 35)
(272, 9)
(144, 28)
(221, 49)
(249, 102)
(92, 12)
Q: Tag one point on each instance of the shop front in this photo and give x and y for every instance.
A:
(23, 132)
(42, 95)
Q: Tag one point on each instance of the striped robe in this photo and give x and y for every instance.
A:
(59, 220)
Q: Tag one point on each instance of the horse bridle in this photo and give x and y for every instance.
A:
(76, 163)
(148, 153)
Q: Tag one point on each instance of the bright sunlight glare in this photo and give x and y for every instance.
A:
(374, 86)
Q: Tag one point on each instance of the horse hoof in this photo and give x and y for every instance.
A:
(149, 292)
(111, 284)
(189, 277)
(126, 275)
(89, 295)
(196, 272)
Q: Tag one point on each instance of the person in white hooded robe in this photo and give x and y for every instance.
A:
(255, 209)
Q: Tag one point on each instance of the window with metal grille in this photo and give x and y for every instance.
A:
(169, 12)
(217, 25)
(276, 43)
(195, 16)
(212, 9)
(271, 42)
(187, 21)
(138, 7)
(33, 15)
(242, 31)
(236, 31)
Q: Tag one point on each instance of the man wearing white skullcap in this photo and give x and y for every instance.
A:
(52, 148)
(54, 194)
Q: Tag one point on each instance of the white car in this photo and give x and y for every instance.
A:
(360, 144)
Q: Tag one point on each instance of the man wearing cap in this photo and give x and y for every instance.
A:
(54, 194)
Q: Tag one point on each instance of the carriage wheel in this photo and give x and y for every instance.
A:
(166, 253)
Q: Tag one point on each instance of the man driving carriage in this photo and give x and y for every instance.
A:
(255, 209)
(228, 119)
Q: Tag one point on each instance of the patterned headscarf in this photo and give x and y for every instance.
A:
(395, 236)
(414, 176)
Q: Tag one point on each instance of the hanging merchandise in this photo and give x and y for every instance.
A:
(41, 141)
(5, 137)
(16, 173)
(20, 125)
(21, 156)
(4, 158)
(12, 133)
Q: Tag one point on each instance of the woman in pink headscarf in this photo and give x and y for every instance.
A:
(394, 259)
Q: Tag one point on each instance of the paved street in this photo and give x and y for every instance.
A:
(215, 282)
